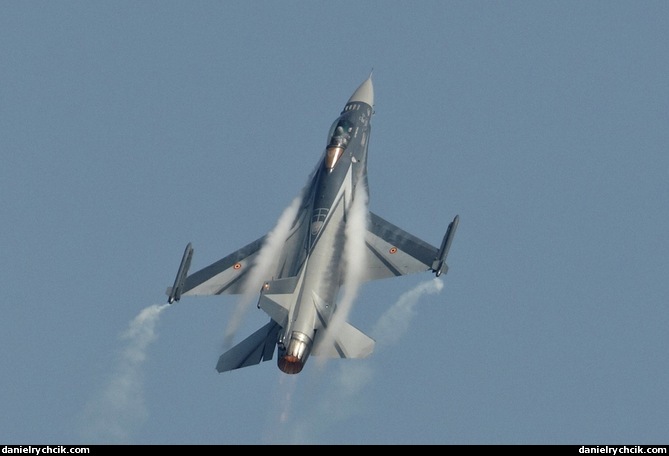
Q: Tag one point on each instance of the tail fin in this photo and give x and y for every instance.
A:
(277, 296)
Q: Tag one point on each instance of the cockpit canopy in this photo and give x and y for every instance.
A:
(338, 138)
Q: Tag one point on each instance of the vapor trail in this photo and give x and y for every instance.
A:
(354, 249)
(354, 261)
(110, 417)
(392, 325)
(343, 398)
(263, 264)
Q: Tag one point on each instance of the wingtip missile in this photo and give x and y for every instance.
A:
(174, 293)
(439, 265)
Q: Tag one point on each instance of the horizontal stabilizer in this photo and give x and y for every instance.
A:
(256, 348)
(349, 342)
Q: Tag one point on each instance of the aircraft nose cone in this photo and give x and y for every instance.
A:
(364, 93)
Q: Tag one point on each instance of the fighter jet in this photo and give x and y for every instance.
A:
(299, 282)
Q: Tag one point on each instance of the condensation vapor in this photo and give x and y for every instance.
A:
(262, 265)
(343, 396)
(110, 417)
(394, 323)
(354, 261)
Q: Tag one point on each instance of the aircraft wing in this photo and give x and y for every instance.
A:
(226, 276)
(392, 252)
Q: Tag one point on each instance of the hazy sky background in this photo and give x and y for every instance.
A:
(128, 129)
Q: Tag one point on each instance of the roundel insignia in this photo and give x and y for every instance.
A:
(237, 266)
(393, 250)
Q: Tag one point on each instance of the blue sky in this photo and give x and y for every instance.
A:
(128, 129)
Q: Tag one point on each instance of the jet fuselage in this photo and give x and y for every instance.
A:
(342, 168)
